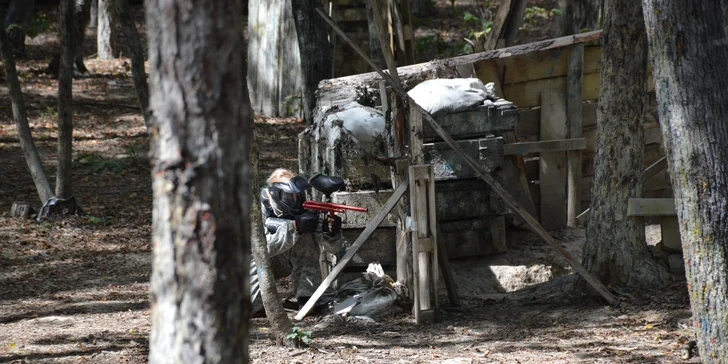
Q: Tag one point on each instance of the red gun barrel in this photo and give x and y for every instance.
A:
(331, 206)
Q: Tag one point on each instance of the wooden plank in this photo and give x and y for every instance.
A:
(528, 94)
(404, 276)
(415, 143)
(490, 71)
(514, 177)
(383, 41)
(651, 207)
(546, 146)
(398, 193)
(496, 29)
(655, 168)
(529, 120)
(478, 122)
(552, 171)
(436, 261)
(548, 64)
(421, 265)
(497, 188)
(574, 109)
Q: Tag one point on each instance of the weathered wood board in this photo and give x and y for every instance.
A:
(373, 201)
(552, 176)
(484, 236)
(380, 247)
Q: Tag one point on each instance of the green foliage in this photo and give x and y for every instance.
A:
(300, 336)
(98, 163)
(39, 23)
(533, 13)
(483, 26)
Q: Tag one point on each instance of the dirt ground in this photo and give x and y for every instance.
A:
(75, 290)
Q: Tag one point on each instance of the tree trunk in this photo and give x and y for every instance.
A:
(687, 41)
(515, 18)
(16, 19)
(274, 310)
(81, 18)
(35, 166)
(615, 250)
(106, 37)
(94, 17)
(375, 50)
(64, 189)
(201, 151)
(586, 15)
(136, 53)
(423, 8)
(315, 52)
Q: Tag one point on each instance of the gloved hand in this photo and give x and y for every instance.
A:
(307, 222)
(331, 225)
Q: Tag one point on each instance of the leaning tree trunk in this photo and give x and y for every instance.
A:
(106, 37)
(274, 310)
(45, 191)
(615, 250)
(315, 52)
(136, 53)
(687, 41)
(64, 189)
(200, 297)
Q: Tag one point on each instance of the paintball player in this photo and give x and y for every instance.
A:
(296, 237)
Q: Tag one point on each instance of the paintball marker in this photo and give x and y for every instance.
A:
(328, 185)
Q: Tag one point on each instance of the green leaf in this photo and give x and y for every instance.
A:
(468, 16)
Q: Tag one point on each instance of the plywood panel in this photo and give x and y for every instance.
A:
(552, 176)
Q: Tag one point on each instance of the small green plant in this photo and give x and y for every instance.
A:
(483, 25)
(39, 23)
(299, 336)
(98, 162)
(533, 13)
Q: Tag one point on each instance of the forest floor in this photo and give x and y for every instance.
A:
(75, 290)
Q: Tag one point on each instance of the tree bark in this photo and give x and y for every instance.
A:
(687, 41)
(585, 15)
(136, 53)
(201, 152)
(15, 20)
(315, 51)
(64, 189)
(94, 17)
(615, 250)
(515, 18)
(35, 166)
(375, 50)
(106, 37)
(81, 18)
(274, 310)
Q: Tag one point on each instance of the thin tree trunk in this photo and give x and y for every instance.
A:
(515, 18)
(274, 310)
(687, 41)
(315, 52)
(201, 152)
(375, 50)
(94, 17)
(35, 166)
(136, 53)
(81, 18)
(107, 47)
(15, 21)
(615, 250)
(64, 189)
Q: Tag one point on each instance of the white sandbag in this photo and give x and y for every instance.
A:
(364, 123)
(452, 95)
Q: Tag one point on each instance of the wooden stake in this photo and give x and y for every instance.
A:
(552, 171)
(574, 101)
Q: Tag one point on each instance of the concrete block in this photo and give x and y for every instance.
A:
(474, 123)
(448, 164)
(373, 201)
(381, 247)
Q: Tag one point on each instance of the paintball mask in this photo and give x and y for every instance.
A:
(287, 197)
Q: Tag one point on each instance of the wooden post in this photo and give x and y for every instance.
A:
(498, 25)
(424, 242)
(575, 78)
(552, 173)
